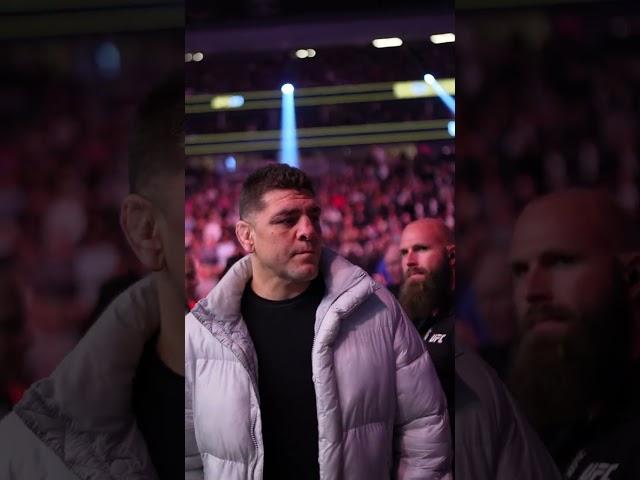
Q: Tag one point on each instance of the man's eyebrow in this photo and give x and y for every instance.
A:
(286, 212)
(413, 246)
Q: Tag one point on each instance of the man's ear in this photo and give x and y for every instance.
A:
(451, 255)
(245, 236)
(140, 226)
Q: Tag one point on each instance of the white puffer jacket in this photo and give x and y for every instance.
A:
(381, 410)
(78, 423)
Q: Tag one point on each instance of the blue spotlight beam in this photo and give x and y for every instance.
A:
(288, 134)
(448, 100)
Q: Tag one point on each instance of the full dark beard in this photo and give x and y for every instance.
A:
(558, 381)
(421, 300)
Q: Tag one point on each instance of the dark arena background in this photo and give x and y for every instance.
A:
(72, 79)
(362, 101)
(548, 100)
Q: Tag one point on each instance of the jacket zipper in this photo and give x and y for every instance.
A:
(254, 384)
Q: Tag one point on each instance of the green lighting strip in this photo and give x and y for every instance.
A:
(299, 92)
(334, 141)
(312, 96)
(317, 131)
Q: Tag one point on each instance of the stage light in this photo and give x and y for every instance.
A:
(227, 101)
(302, 53)
(230, 163)
(287, 89)
(443, 38)
(236, 101)
(288, 132)
(451, 128)
(108, 59)
(311, 52)
(198, 56)
(188, 57)
(441, 92)
(387, 42)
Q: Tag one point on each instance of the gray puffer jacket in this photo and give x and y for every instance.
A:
(381, 410)
(79, 423)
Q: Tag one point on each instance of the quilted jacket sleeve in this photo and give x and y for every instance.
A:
(422, 441)
(193, 469)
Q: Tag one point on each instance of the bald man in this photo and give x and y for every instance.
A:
(574, 261)
(493, 441)
(428, 257)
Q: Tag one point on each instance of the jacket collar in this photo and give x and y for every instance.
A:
(83, 410)
(346, 287)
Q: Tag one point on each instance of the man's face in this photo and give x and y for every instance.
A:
(427, 272)
(560, 273)
(286, 235)
(573, 314)
(422, 253)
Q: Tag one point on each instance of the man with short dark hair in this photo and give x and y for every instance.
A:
(111, 409)
(299, 365)
(574, 258)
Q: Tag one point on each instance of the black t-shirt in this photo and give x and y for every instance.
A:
(611, 452)
(608, 448)
(439, 339)
(282, 333)
(158, 405)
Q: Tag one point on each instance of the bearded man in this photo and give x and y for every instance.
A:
(575, 268)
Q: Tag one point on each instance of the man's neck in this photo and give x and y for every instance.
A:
(273, 288)
(170, 344)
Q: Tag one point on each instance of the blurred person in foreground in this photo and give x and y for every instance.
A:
(299, 365)
(111, 409)
(492, 440)
(13, 341)
(575, 266)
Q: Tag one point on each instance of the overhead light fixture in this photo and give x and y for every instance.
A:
(287, 89)
(188, 57)
(387, 42)
(305, 53)
(198, 56)
(443, 38)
